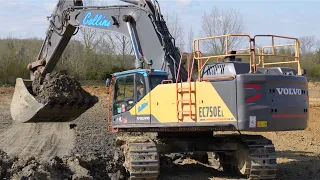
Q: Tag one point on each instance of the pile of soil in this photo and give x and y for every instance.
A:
(5, 164)
(62, 88)
(41, 140)
(72, 167)
(31, 168)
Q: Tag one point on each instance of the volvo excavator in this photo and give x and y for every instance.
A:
(184, 104)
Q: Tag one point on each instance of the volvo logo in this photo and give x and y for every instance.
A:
(289, 91)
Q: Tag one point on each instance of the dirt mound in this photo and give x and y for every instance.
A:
(72, 167)
(32, 168)
(60, 87)
(5, 164)
(44, 141)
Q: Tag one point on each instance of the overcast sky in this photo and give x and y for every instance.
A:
(27, 18)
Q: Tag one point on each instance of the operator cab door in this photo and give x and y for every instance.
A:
(124, 100)
(143, 110)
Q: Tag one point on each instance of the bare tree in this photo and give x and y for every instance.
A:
(175, 28)
(120, 44)
(307, 44)
(89, 36)
(220, 22)
(190, 40)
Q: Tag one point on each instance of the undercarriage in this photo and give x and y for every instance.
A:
(248, 156)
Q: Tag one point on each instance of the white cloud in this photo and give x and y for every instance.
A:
(49, 6)
(38, 21)
(183, 2)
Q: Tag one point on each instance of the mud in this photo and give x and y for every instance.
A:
(60, 88)
(84, 151)
(5, 164)
(73, 167)
(32, 168)
(44, 141)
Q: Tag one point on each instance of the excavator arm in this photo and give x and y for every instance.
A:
(141, 21)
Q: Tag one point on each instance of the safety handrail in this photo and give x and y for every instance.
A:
(180, 64)
(256, 55)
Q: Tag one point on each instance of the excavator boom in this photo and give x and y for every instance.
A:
(141, 21)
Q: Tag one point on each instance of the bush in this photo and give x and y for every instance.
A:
(314, 73)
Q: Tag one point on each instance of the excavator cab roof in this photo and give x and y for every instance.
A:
(144, 72)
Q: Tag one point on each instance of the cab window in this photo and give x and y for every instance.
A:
(141, 87)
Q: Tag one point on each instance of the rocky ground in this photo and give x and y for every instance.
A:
(86, 150)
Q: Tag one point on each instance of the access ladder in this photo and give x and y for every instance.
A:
(186, 105)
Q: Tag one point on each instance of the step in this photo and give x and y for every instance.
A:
(184, 100)
(142, 144)
(185, 111)
(143, 165)
(186, 90)
(144, 161)
(144, 151)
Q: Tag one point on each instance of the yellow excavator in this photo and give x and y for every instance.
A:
(182, 102)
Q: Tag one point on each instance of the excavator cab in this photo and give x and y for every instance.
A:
(129, 92)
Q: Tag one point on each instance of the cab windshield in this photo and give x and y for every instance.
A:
(155, 80)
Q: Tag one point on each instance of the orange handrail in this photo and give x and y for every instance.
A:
(256, 58)
(218, 78)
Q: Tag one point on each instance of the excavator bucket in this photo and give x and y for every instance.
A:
(25, 107)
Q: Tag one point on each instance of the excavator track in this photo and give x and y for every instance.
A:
(255, 157)
(249, 156)
(142, 161)
(263, 158)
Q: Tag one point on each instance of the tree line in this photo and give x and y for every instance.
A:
(94, 54)
(78, 59)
